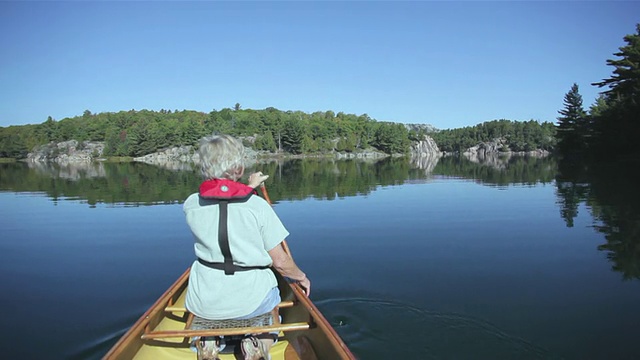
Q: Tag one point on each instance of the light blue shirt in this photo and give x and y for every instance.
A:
(254, 229)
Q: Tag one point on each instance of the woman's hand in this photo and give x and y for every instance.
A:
(256, 179)
(306, 285)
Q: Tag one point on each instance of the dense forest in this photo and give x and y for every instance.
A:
(518, 136)
(136, 133)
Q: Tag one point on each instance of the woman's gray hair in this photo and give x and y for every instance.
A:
(221, 157)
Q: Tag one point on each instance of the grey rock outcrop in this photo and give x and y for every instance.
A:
(428, 128)
(425, 147)
(67, 152)
(184, 157)
(500, 147)
(174, 154)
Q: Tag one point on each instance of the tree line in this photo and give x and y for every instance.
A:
(135, 133)
(140, 132)
(517, 136)
(611, 126)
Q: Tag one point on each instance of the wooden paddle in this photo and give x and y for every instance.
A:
(265, 194)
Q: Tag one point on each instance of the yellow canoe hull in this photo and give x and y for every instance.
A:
(160, 332)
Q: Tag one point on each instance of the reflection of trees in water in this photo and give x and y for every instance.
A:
(611, 193)
(113, 183)
(572, 189)
(500, 170)
(331, 179)
(139, 183)
(622, 232)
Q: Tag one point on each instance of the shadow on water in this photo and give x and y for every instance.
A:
(365, 324)
(612, 196)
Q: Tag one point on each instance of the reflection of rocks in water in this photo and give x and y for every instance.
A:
(172, 165)
(494, 160)
(69, 170)
(501, 159)
(426, 162)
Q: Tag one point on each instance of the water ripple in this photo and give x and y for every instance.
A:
(375, 329)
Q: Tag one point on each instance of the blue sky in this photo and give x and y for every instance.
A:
(449, 64)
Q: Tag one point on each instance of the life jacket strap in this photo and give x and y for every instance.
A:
(223, 238)
(223, 234)
(221, 266)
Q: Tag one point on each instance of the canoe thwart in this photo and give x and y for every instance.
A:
(298, 326)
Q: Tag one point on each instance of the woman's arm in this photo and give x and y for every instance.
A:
(288, 268)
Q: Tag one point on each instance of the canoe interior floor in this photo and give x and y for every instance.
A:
(282, 350)
(176, 348)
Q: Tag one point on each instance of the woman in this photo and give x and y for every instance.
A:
(238, 237)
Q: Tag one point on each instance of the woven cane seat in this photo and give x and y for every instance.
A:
(199, 323)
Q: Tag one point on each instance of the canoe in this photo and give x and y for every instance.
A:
(162, 332)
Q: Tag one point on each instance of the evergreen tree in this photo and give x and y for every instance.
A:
(624, 84)
(617, 127)
(572, 124)
(293, 136)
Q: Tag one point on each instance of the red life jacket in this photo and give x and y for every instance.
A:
(221, 189)
(221, 192)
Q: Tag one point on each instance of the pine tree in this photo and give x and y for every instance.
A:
(617, 126)
(572, 125)
(624, 84)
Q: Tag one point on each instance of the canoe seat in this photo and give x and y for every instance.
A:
(196, 326)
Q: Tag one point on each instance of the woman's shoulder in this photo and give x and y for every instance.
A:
(192, 201)
(258, 200)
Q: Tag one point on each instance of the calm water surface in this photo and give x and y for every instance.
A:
(443, 260)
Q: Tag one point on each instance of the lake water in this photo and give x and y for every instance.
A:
(438, 259)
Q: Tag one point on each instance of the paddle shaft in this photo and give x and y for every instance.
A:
(265, 194)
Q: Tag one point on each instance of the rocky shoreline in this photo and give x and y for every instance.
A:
(425, 150)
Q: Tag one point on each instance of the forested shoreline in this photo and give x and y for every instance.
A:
(140, 132)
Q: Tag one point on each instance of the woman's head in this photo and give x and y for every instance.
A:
(221, 157)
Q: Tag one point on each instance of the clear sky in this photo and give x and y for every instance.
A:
(450, 64)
